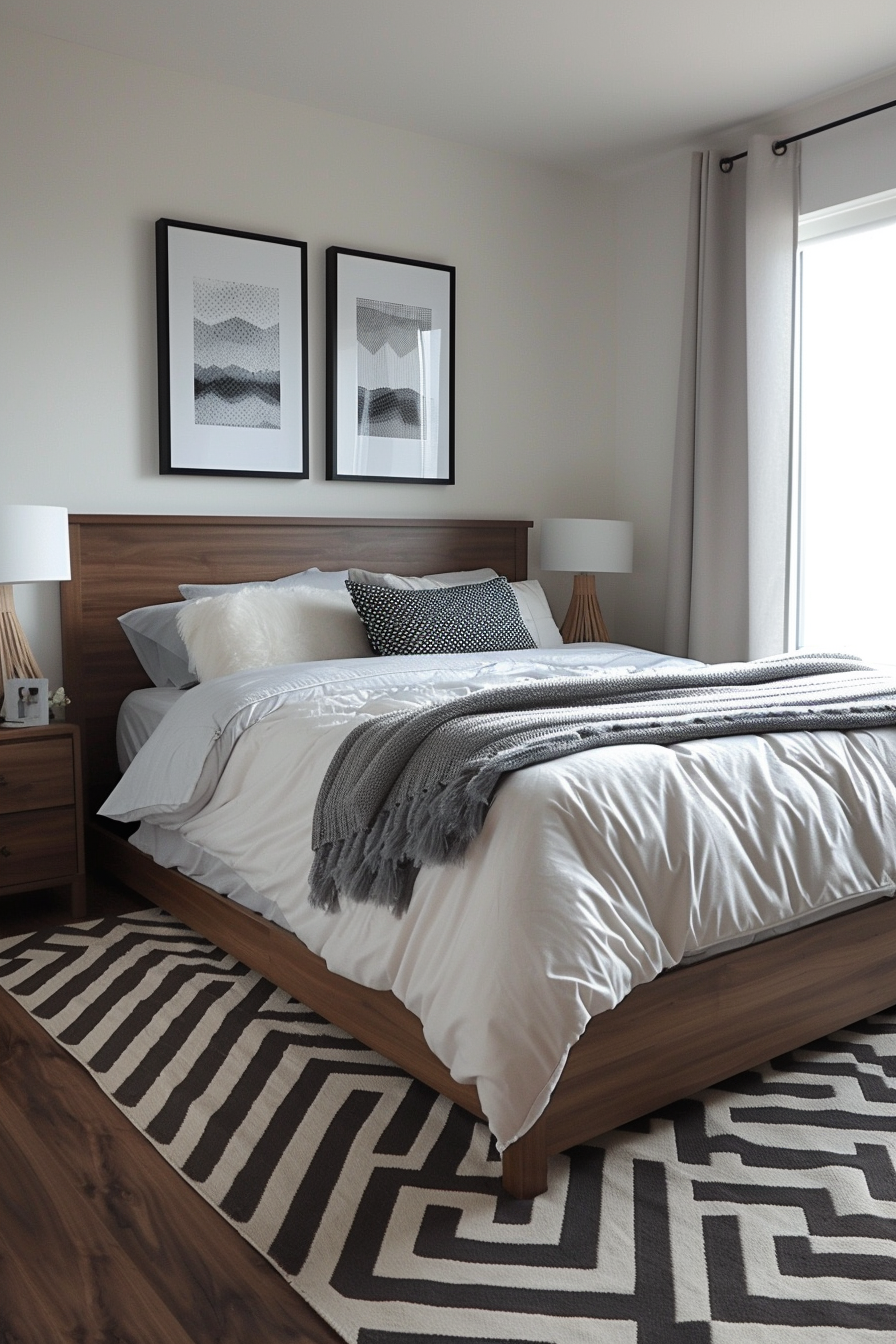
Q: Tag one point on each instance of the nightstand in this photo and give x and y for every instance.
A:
(41, 812)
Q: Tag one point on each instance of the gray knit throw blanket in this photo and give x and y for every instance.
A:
(414, 787)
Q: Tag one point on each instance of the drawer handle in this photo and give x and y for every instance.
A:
(2, 781)
(6, 852)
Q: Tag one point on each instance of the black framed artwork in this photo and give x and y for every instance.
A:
(232, 314)
(390, 368)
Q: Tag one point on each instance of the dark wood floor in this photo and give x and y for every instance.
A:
(101, 1242)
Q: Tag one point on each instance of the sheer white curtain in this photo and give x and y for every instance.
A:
(726, 595)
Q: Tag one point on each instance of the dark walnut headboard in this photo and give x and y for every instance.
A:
(122, 561)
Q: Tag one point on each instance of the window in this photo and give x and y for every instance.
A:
(845, 516)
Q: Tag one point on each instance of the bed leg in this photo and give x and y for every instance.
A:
(524, 1165)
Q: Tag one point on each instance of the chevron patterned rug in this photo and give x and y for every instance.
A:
(761, 1210)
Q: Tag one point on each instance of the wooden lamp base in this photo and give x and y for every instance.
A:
(16, 658)
(584, 622)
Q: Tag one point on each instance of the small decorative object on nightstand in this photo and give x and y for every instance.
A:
(41, 813)
(25, 702)
(585, 546)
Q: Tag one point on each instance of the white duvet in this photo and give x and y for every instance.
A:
(593, 874)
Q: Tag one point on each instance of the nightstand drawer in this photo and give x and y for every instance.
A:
(38, 845)
(36, 774)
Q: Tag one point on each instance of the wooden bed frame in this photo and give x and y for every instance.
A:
(686, 1030)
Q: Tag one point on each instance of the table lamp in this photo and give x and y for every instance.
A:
(33, 548)
(585, 547)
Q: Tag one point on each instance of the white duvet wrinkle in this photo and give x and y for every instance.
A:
(246, 814)
(573, 838)
(850, 772)
(637, 889)
(494, 1017)
(799, 854)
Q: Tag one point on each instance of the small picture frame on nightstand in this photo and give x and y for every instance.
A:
(25, 703)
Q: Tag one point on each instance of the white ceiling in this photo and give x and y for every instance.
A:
(588, 84)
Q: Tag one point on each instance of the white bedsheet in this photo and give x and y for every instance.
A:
(592, 875)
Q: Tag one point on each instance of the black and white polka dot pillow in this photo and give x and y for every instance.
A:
(470, 618)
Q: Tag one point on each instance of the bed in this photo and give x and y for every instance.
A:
(688, 1028)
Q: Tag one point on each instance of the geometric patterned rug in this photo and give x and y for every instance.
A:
(762, 1211)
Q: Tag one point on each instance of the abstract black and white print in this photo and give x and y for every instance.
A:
(395, 371)
(236, 353)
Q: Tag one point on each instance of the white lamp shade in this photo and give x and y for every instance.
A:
(587, 545)
(33, 543)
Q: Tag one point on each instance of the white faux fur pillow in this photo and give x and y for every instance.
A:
(264, 627)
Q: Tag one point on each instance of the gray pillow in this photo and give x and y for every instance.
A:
(156, 640)
(465, 618)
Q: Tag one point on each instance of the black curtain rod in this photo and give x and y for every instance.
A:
(780, 146)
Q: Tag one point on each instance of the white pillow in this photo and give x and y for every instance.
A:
(536, 614)
(333, 579)
(266, 627)
(453, 579)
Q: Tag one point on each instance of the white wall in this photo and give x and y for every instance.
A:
(93, 148)
(651, 237)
